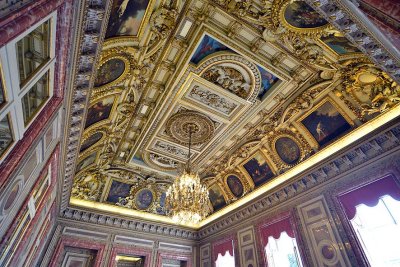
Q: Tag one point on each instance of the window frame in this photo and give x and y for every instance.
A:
(14, 90)
(355, 242)
(267, 222)
(4, 88)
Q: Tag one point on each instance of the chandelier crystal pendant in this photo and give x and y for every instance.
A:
(187, 198)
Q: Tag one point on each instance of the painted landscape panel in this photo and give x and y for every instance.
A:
(258, 169)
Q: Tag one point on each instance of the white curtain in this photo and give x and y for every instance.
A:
(227, 260)
(282, 252)
(378, 231)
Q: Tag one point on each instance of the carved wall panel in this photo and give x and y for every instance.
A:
(247, 247)
(321, 234)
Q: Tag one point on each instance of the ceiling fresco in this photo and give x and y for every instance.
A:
(269, 85)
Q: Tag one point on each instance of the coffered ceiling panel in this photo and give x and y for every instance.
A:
(271, 87)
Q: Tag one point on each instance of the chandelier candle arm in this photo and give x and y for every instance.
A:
(187, 198)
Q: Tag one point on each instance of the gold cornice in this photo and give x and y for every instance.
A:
(322, 155)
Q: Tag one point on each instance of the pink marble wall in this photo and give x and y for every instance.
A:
(78, 243)
(53, 161)
(126, 250)
(390, 8)
(18, 22)
(173, 256)
(11, 28)
(385, 14)
(391, 33)
(42, 236)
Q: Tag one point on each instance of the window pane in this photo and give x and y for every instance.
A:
(6, 138)
(282, 252)
(378, 232)
(35, 98)
(33, 51)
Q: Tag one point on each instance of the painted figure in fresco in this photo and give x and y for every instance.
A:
(320, 131)
(144, 199)
(207, 46)
(216, 198)
(109, 71)
(235, 185)
(126, 17)
(118, 190)
(94, 138)
(326, 124)
(287, 150)
(99, 111)
(299, 14)
(258, 169)
(122, 8)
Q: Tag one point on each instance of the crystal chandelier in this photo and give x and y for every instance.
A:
(187, 198)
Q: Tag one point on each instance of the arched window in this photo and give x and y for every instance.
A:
(279, 243)
(374, 214)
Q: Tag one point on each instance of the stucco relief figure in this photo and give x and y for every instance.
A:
(163, 21)
(171, 149)
(88, 187)
(382, 95)
(229, 79)
(373, 89)
(163, 161)
(212, 100)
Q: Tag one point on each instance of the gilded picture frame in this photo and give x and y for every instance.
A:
(306, 115)
(136, 37)
(223, 193)
(109, 55)
(88, 134)
(133, 190)
(243, 181)
(86, 157)
(337, 55)
(313, 31)
(269, 163)
(108, 186)
(96, 124)
(152, 204)
(275, 153)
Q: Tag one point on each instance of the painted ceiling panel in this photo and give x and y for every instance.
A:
(271, 86)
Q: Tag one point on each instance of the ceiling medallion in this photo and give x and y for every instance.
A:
(201, 127)
(187, 198)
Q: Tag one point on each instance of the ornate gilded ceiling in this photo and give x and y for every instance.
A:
(269, 84)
